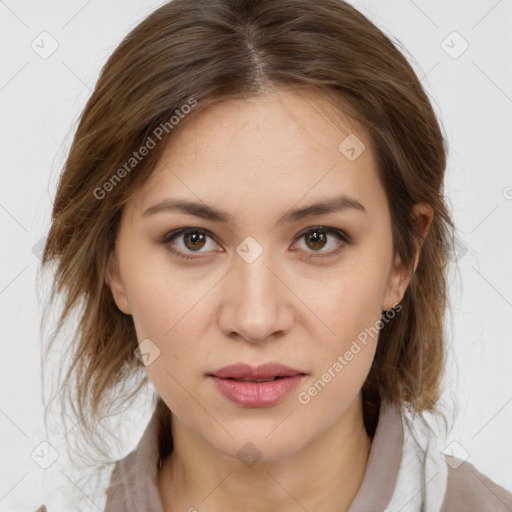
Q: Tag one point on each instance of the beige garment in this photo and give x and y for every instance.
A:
(134, 480)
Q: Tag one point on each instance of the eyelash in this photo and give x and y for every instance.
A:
(342, 236)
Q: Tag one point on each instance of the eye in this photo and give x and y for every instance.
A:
(317, 238)
(193, 240)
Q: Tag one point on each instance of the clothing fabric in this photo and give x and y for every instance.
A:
(406, 472)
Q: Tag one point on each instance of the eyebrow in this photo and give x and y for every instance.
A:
(332, 205)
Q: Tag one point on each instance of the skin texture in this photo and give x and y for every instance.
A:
(257, 159)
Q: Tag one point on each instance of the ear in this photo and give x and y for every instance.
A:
(399, 278)
(115, 283)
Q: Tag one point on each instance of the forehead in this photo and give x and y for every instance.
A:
(276, 148)
(295, 122)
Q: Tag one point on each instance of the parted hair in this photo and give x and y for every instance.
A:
(207, 51)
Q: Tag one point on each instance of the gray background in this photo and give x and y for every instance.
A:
(40, 100)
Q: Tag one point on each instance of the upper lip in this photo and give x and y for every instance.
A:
(262, 371)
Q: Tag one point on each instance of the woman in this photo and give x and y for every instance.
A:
(296, 356)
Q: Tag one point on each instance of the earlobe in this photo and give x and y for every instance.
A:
(400, 278)
(397, 284)
(423, 214)
(116, 285)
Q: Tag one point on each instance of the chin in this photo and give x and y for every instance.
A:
(259, 444)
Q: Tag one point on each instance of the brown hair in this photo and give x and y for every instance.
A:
(209, 51)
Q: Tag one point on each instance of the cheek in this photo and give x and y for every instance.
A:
(168, 318)
(345, 354)
(349, 303)
(332, 392)
(346, 303)
(172, 312)
(160, 300)
(356, 312)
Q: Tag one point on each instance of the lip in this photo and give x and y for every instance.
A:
(256, 394)
(262, 371)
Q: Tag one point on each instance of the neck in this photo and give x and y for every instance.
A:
(325, 475)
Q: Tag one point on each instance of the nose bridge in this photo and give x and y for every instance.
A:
(255, 279)
(251, 266)
(257, 301)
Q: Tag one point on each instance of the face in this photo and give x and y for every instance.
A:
(264, 283)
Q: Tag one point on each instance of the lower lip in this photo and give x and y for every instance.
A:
(256, 394)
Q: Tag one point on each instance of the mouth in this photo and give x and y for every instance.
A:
(261, 373)
(259, 380)
(260, 386)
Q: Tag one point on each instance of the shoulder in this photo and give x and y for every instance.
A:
(468, 490)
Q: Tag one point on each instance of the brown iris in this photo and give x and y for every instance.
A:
(318, 238)
(194, 238)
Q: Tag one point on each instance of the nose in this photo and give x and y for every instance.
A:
(257, 303)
